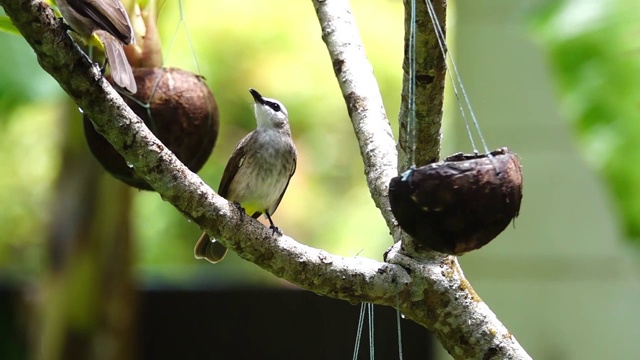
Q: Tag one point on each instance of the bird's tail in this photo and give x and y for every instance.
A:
(209, 249)
(121, 72)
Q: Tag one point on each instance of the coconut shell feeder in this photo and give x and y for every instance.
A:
(459, 204)
(176, 105)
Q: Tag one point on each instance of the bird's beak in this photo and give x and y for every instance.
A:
(256, 96)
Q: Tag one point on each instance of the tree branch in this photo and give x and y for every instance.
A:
(362, 96)
(432, 292)
(449, 306)
(429, 80)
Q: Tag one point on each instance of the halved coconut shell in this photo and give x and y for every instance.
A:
(459, 204)
(181, 112)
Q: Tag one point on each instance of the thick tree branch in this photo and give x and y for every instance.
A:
(362, 96)
(429, 80)
(432, 292)
(454, 311)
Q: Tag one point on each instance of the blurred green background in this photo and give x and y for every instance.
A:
(564, 279)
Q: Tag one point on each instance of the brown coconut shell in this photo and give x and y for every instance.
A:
(459, 204)
(181, 112)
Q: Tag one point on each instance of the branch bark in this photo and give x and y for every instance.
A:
(429, 81)
(429, 289)
(362, 97)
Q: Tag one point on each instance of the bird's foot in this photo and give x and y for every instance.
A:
(96, 66)
(239, 207)
(102, 67)
(64, 25)
(275, 230)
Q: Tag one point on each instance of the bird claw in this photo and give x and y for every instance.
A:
(239, 207)
(275, 230)
(64, 25)
(98, 67)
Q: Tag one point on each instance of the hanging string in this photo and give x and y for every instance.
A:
(365, 308)
(456, 80)
(398, 325)
(411, 122)
(182, 23)
(172, 41)
(371, 334)
(188, 34)
(356, 348)
(146, 103)
(193, 50)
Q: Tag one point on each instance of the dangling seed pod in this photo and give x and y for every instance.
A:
(181, 112)
(459, 204)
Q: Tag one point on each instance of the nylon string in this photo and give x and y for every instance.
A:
(456, 81)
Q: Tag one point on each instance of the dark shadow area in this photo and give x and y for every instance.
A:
(13, 344)
(268, 324)
(244, 324)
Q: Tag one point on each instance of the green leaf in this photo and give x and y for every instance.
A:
(7, 26)
(595, 57)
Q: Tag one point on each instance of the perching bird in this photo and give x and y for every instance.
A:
(109, 22)
(258, 172)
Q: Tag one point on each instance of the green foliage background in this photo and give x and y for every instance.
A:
(235, 45)
(562, 279)
(594, 51)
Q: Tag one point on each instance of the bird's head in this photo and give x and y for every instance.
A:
(270, 113)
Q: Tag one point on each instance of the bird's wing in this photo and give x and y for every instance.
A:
(110, 15)
(121, 72)
(234, 163)
(293, 170)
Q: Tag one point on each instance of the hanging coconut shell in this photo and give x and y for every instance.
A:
(459, 204)
(180, 110)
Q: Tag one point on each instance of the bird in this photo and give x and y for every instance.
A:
(258, 171)
(108, 21)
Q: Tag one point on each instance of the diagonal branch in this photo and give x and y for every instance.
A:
(362, 96)
(433, 293)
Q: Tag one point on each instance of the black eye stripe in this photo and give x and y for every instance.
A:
(273, 105)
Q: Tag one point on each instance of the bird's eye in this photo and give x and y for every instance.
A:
(274, 106)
